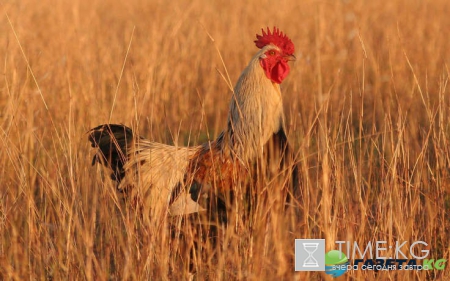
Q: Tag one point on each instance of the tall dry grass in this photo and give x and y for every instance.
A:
(367, 106)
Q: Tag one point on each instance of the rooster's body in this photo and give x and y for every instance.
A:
(170, 179)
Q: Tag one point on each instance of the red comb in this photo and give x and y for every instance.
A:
(277, 38)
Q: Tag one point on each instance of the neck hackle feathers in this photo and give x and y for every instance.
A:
(277, 38)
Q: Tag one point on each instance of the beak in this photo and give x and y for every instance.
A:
(290, 58)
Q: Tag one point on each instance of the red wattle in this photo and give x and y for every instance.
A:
(275, 71)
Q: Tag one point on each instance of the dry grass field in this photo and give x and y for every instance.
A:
(367, 105)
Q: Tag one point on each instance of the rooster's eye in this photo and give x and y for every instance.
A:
(272, 53)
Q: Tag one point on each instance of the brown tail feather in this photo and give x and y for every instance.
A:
(112, 142)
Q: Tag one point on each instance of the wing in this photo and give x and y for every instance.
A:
(212, 177)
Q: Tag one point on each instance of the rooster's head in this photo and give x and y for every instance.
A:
(278, 49)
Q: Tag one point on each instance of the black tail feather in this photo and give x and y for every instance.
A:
(112, 142)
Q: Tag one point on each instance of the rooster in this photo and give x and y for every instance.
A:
(173, 180)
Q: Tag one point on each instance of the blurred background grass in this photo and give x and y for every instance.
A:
(367, 110)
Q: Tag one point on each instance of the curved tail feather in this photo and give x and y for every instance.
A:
(113, 142)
